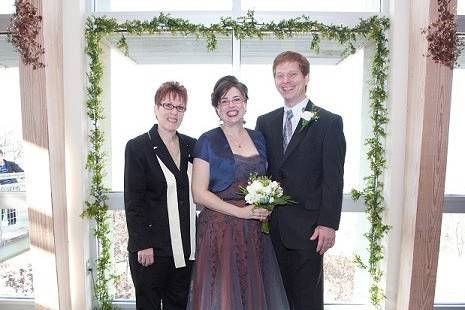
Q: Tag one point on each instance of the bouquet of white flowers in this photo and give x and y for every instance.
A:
(264, 193)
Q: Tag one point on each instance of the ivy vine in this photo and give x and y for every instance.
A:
(96, 207)
(372, 193)
(245, 27)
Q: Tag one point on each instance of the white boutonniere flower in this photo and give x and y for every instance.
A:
(308, 117)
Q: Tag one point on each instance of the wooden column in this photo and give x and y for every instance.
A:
(428, 108)
(43, 133)
(74, 80)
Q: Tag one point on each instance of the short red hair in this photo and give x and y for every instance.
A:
(291, 56)
(172, 89)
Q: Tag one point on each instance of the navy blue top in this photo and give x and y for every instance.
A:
(213, 147)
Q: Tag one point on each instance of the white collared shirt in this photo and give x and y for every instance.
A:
(296, 112)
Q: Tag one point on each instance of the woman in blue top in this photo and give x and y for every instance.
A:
(235, 267)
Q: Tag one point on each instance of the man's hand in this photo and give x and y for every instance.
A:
(326, 237)
(145, 257)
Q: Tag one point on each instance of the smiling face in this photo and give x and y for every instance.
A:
(231, 107)
(169, 120)
(290, 82)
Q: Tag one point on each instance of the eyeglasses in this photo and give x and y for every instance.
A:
(170, 106)
(234, 101)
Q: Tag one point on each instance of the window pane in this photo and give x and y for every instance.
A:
(451, 265)
(344, 282)
(15, 260)
(456, 148)
(316, 5)
(124, 287)
(10, 127)
(7, 6)
(134, 82)
(461, 7)
(161, 5)
(337, 88)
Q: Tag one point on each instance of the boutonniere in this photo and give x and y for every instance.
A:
(308, 117)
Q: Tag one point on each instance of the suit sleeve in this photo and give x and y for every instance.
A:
(259, 125)
(334, 150)
(134, 202)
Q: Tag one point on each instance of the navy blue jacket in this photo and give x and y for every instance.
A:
(214, 148)
(10, 167)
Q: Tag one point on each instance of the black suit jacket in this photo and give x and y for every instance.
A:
(145, 193)
(311, 172)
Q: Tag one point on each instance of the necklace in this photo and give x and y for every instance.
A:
(232, 139)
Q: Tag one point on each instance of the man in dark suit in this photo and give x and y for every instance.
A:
(306, 151)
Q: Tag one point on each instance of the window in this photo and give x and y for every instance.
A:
(456, 148)
(334, 86)
(344, 282)
(155, 60)
(451, 264)
(134, 81)
(124, 288)
(15, 260)
(7, 6)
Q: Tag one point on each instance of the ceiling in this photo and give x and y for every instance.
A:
(165, 48)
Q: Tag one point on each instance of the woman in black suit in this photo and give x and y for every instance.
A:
(160, 214)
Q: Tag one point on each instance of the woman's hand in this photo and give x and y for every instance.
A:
(253, 213)
(145, 257)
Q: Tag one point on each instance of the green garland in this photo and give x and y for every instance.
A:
(372, 193)
(245, 27)
(97, 208)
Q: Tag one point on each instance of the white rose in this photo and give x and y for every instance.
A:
(255, 186)
(268, 190)
(308, 115)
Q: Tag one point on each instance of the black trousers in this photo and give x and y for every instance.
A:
(302, 274)
(160, 283)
